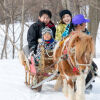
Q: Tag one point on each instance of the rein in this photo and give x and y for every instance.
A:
(48, 54)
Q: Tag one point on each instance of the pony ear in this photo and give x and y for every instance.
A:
(77, 39)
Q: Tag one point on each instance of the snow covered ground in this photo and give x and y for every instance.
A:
(12, 85)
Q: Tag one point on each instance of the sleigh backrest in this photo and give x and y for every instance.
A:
(46, 59)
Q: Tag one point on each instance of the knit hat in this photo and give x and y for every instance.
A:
(63, 12)
(79, 19)
(47, 29)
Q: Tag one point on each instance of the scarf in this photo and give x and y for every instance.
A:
(49, 41)
(50, 24)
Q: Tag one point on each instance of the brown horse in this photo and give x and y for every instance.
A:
(74, 56)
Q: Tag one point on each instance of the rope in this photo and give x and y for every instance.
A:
(48, 54)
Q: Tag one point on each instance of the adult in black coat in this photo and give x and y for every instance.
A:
(34, 32)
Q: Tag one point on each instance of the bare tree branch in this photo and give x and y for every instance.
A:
(3, 7)
(18, 14)
(22, 27)
(10, 39)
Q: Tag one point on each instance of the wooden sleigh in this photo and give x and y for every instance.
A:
(34, 74)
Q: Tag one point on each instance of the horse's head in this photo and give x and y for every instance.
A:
(81, 50)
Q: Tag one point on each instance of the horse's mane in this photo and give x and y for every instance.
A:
(85, 43)
(58, 48)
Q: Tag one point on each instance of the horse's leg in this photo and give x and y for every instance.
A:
(71, 94)
(80, 87)
(29, 78)
(25, 76)
(32, 80)
(65, 87)
(59, 83)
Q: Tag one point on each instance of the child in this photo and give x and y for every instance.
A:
(47, 41)
(66, 18)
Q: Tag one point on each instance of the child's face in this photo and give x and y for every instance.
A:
(45, 18)
(47, 36)
(66, 19)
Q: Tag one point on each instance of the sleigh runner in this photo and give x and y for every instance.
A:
(37, 74)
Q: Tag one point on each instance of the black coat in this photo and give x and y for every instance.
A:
(34, 33)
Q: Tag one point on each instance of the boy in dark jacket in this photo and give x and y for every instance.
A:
(34, 32)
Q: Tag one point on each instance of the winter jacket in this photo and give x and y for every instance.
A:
(34, 33)
(47, 46)
(59, 30)
(66, 32)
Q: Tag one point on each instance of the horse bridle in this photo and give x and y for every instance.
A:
(77, 64)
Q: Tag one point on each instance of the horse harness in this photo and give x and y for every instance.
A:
(67, 55)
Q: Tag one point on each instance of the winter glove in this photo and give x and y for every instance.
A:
(32, 48)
